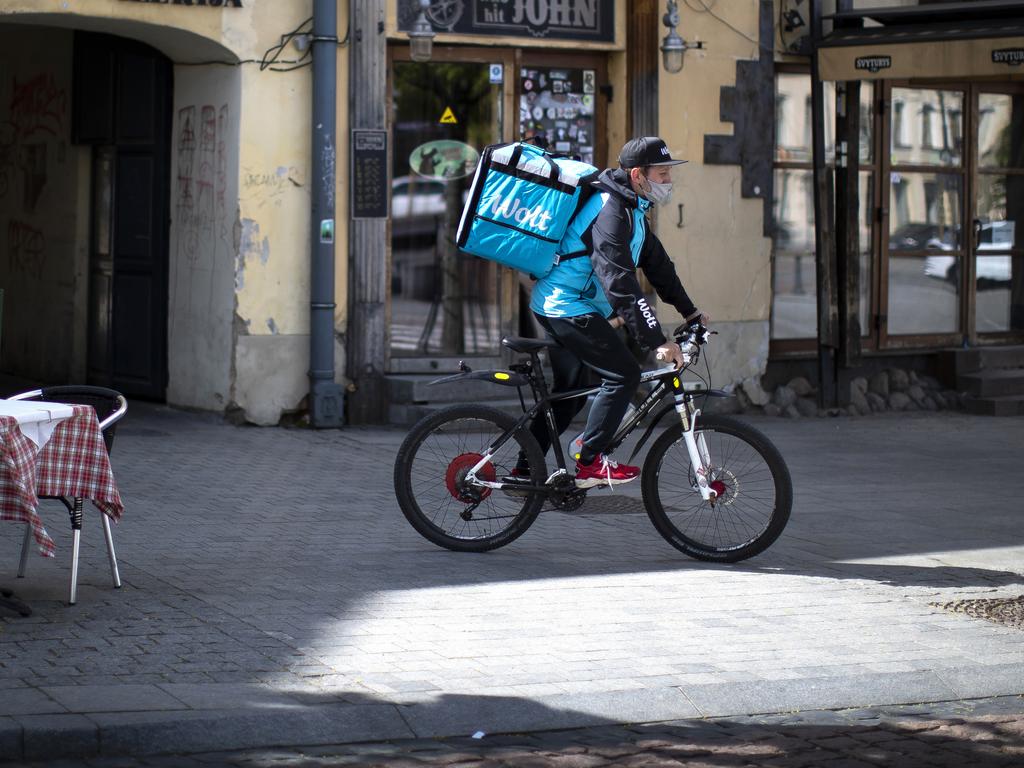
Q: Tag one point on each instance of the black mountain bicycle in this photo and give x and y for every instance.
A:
(715, 487)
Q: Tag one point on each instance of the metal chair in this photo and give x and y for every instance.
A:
(110, 406)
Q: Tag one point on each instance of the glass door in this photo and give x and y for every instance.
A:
(997, 307)
(924, 252)
(444, 303)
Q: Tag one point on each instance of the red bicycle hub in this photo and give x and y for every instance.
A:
(455, 478)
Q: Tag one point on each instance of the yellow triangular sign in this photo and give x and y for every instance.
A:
(448, 118)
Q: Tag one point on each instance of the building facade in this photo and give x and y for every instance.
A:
(154, 199)
(155, 188)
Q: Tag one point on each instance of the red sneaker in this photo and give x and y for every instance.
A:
(604, 471)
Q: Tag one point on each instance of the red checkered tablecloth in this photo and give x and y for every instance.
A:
(73, 462)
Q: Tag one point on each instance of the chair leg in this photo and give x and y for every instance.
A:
(76, 537)
(25, 545)
(110, 551)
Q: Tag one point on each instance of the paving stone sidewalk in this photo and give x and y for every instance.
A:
(274, 595)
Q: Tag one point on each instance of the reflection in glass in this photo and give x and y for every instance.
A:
(867, 205)
(793, 291)
(927, 126)
(1001, 130)
(793, 112)
(102, 188)
(999, 304)
(867, 122)
(442, 301)
(794, 300)
(923, 294)
(924, 211)
(999, 210)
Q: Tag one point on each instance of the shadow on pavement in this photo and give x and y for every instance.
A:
(498, 731)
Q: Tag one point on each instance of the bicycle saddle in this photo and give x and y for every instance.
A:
(519, 344)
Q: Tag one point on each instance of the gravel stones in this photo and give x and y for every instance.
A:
(1008, 611)
(784, 397)
(755, 393)
(899, 401)
(876, 402)
(892, 389)
(899, 380)
(916, 393)
(801, 387)
(879, 384)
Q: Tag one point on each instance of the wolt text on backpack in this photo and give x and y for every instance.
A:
(520, 204)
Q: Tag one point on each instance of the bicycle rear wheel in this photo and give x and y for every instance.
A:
(755, 493)
(430, 484)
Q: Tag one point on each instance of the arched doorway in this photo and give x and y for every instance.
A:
(119, 187)
(121, 97)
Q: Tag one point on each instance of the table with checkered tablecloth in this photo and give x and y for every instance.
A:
(72, 463)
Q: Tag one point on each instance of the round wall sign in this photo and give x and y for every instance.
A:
(444, 159)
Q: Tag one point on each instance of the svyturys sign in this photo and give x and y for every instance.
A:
(1012, 56)
(592, 20)
(873, 63)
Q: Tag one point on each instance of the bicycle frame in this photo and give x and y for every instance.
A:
(668, 378)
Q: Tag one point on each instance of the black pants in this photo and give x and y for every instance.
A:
(588, 341)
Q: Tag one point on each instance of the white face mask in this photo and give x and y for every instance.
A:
(659, 194)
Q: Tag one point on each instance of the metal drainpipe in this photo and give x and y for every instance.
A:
(326, 399)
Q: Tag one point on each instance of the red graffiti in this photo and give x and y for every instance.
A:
(25, 248)
(38, 106)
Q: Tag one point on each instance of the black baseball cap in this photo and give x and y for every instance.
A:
(648, 150)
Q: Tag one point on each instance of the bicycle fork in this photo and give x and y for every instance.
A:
(696, 445)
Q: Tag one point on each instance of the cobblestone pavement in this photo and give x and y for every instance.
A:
(274, 591)
(978, 734)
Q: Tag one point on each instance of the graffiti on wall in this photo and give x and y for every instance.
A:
(200, 197)
(26, 249)
(38, 106)
(8, 158)
(36, 115)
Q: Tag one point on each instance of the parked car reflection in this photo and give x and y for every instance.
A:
(416, 205)
(992, 271)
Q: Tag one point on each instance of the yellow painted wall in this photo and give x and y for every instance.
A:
(242, 326)
(721, 253)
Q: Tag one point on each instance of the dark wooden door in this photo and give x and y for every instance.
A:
(123, 110)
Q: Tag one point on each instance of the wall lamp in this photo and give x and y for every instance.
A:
(673, 46)
(421, 36)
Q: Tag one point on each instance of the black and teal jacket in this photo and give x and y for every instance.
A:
(612, 228)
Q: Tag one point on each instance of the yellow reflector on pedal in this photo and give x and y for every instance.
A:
(502, 376)
(675, 382)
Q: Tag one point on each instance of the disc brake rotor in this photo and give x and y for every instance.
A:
(726, 485)
(455, 478)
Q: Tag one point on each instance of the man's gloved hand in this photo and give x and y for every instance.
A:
(670, 352)
(699, 317)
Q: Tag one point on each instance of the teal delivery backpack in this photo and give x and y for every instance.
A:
(520, 204)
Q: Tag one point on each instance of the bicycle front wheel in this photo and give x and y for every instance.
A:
(431, 486)
(755, 493)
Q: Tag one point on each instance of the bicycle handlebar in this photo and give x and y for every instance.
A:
(690, 339)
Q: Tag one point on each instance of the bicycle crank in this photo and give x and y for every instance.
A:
(566, 497)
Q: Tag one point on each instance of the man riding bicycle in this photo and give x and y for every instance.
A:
(582, 300)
